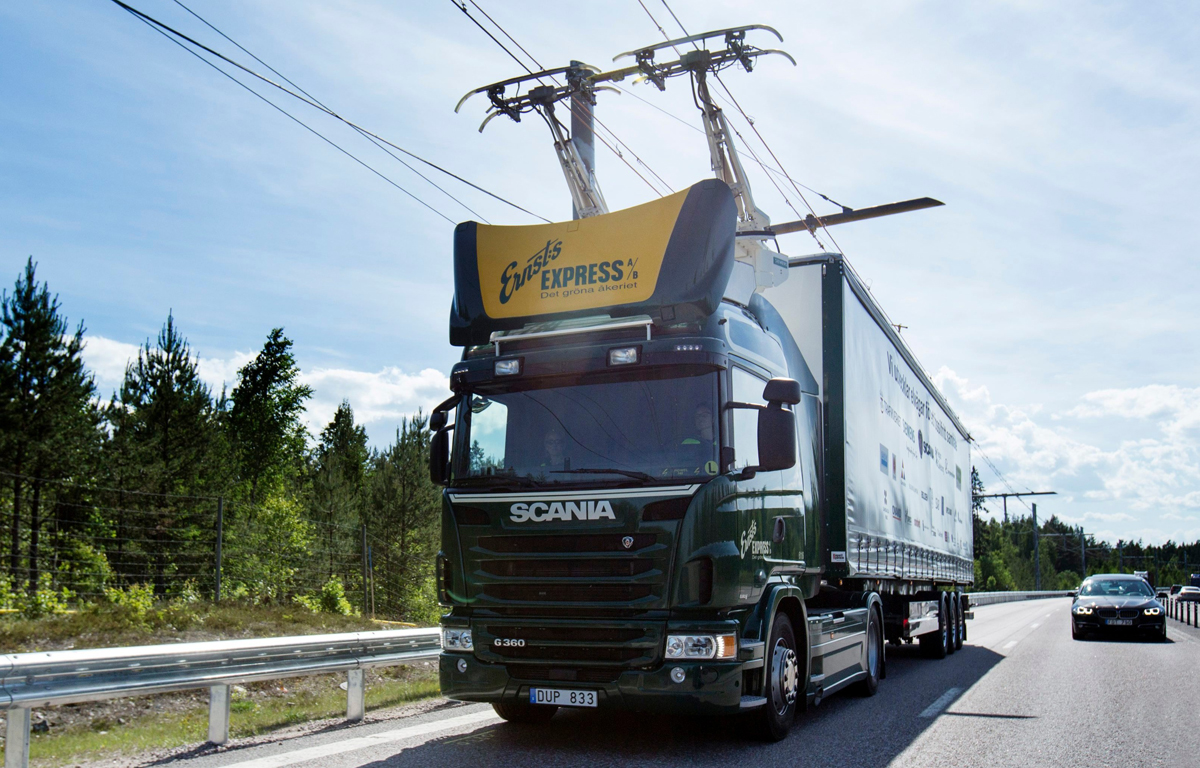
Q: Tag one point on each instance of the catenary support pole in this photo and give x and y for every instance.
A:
(1082, 554)
(1037, 559)
(218, 714)
(582, 135)
(220, 539)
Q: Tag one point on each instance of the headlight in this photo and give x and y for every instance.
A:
(1083, 610)
(1152, 611)
(701, 646)
(456, 639)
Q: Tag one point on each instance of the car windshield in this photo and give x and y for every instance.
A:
(1116, 587)
(657, 430)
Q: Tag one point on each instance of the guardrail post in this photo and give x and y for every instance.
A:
(16, 739)
(356, 696)
(218, 714)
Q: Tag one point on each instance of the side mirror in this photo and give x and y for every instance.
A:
(439, 457)
(782, 391)
(776, 437)
(437, 420)
(1073, 593)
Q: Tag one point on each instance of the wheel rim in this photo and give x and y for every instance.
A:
(785, 676)
(946, 624)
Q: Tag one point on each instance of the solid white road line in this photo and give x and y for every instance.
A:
(943, 701)
(375, 739)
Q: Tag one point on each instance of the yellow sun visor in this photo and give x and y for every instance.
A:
(674, 253)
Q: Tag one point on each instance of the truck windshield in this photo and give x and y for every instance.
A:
(659, 430)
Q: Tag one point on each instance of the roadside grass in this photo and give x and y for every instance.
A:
(260, 709)
(106, 626)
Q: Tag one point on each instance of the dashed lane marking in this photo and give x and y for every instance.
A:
(362, 742)
(943, 701)
(1010, 644)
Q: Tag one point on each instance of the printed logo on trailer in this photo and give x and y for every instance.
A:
(883, 458)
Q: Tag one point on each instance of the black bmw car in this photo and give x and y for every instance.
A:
(1115, 601)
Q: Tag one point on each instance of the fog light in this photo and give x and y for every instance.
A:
(462, 665)
(677, 675)
(508, 367)
(623, 355)
(688, 348)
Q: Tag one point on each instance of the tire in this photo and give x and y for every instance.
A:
(1162, 638)
(934, 643)
(781, 682)
(1075, 635)
(874, 655)
(960, 624)
(520, 712)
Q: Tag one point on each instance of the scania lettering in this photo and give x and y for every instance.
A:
(719, 486)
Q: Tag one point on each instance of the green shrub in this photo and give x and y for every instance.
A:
(137, 599)
(84, 567)
(331, 599)
(264, 549)
(45, 600)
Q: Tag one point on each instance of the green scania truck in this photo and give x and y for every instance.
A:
(686, 473)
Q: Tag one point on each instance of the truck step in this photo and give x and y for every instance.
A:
(753, 702)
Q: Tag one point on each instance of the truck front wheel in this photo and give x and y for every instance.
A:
(781, 682)
(873, 656)
(520, 712)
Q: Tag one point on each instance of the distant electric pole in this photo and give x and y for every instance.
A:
(1082, 554)
(1005, 496)
(1037, 560)
(899, 328)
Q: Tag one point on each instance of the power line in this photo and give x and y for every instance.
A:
(461, 5)
(368, 137)
(298, 121)
(172, 34)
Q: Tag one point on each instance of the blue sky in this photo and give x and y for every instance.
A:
(1053, 298)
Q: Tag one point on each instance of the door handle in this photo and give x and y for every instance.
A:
(780, 530)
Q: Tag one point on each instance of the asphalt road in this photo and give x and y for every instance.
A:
(1020, 693)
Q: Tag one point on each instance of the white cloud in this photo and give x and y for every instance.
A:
(379, 399)
(1147, 470)
(106, 359)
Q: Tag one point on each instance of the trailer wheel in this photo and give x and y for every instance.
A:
(874, 655)
(781, 681)
(520, 712)
(960, 621)
(934, 643)
(952, 628)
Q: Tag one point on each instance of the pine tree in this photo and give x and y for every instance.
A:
(48, 421)
(264, 418)
(340, 469)
(166, 441)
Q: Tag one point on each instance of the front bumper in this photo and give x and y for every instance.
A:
(1141, 624)
(708, 687)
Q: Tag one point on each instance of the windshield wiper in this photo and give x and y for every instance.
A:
(635, 474)
(521, 480)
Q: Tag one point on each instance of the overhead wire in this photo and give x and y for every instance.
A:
(754, 128)
(175, 36)
(462, 6)
(361, 132)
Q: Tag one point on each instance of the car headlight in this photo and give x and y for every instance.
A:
(1082, 610)
(456, 639)
(701, 646)
(1152, 611)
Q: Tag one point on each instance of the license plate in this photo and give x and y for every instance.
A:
(562, 698)
(1119, 622)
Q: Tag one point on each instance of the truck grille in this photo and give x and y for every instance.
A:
(584, 571)
(557, 644)
(569, 593)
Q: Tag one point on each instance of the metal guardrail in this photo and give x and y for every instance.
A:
(1187, 612)
(29, 680)
(990, 598)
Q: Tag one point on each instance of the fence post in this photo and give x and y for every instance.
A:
(218, 714)
(220, 538)
(16, 738)
(366, 586)
(356, 701)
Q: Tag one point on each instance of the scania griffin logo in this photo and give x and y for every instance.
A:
(541, 512)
